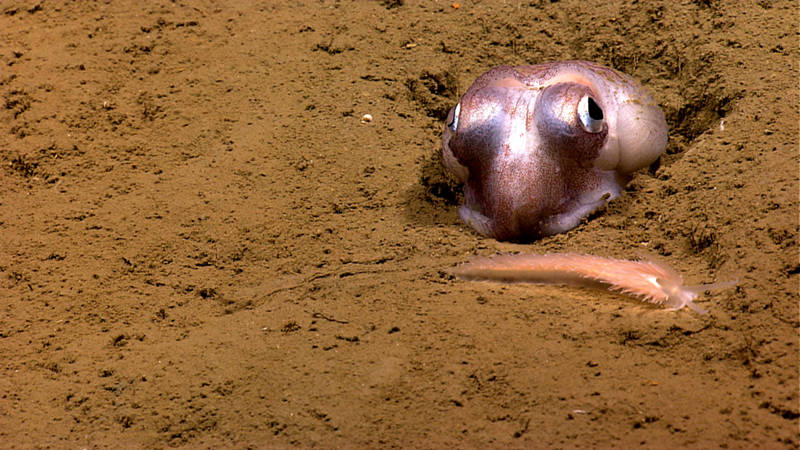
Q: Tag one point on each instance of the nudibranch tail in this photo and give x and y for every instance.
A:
(649, 279)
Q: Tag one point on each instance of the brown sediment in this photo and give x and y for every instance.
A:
(201, 245)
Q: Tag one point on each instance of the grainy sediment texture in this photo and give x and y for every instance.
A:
(201, 245)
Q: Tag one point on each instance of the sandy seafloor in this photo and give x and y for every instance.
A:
(201, 245)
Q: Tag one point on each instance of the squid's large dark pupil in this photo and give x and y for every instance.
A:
(594, 110)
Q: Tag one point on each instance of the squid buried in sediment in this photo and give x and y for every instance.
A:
(541, 147)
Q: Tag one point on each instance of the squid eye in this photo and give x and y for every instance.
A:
(454, 122)
(590, 115)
